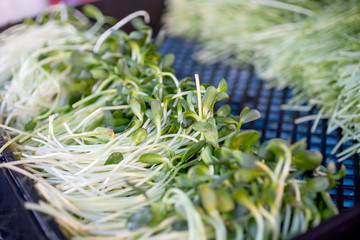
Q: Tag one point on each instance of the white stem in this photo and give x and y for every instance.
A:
(118, 25)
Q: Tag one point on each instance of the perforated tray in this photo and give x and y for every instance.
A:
(244, 90)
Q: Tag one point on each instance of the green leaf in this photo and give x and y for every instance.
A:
(193, 150)
(270, 150)
(104, 131)
(341, 172)
(225, 202)
(187, 122)
(29, 126)
(168, 70)
(224, 110)
(318, 184)
(99, 73)
(307, 160)
(184, 81)
(330, 205)
(226, 121)
(247, 161)
(248, 175)
(139, 219)
(222, 85)
(138, 136)
(308, 202)
(331, 167)
(84, 58)
(299, 146)
(153, 158)
(151, 63)
(104, 134)
(137, 106)
(115, 122)
(134, 124)
(242, 197)
(148, 113)
(156, 113)
(202, 126)
(148, 79)
(156, 108)
(208, 199)
(212, 135)
(159, 212)
(114, 158)
(93, 12)
(221, 96)
(244, 111)
(206, 155)
(167, 61)
(183, 104)
(226, 153)
(226, 130)
(135, 35)
(250, 116)
(183, 181)
(190, 102)
(208, 100)
(111, 20)
(160, 38)
(245, 139)
(198, 172)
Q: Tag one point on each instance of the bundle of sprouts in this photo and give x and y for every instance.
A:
(310, 46)
(118, 147)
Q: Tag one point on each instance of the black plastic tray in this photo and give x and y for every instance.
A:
(15, 221)
(244, 90)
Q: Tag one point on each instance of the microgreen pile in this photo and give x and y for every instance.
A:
(310, 46)
(118, 147)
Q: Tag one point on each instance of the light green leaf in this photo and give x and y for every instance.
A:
(222, 85)
(245, 139)
(318, 184)
(208, 100)
(137, 106)
(221, 96)
(223, 111)
(250, 116)
(138, 136)
(225, 202)
(202, 126)
(167, 61)
(153, 158)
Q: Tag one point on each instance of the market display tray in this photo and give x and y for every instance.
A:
(245, 90)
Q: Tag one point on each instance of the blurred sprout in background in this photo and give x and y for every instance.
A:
(12, 11)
